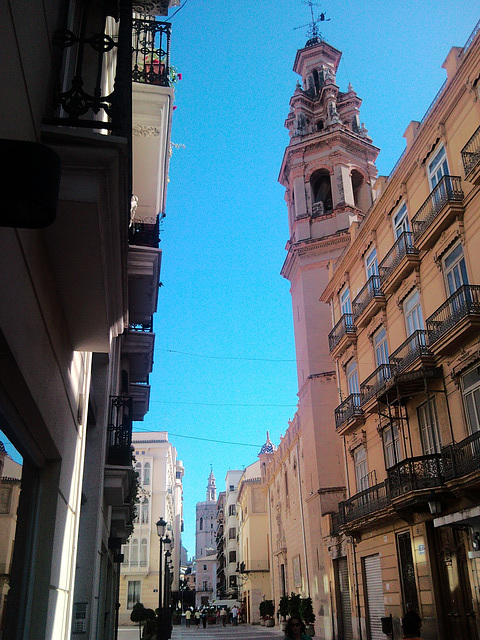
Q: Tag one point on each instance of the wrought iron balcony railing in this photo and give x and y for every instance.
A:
(119, 444)
(141, 327)
(464, 302)
(411, 474)
(447, 190)
(375, 382)
(362, 504)
(344, 326)
(151, 51)
(402, 247)
(415, 346)
(372, 289)
(463, 457)
(471, 152)
(350, 408)
(144, 235)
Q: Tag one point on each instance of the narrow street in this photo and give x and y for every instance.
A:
(212, 632)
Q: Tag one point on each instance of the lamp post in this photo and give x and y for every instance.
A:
(161, 526)
(166, 597)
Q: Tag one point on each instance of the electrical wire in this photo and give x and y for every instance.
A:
(180, 435)
(174, 14)
(223, 404)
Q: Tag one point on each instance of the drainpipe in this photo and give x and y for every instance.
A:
(303, 523)
(356, 589)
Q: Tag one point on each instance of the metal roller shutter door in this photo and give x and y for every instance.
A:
(344, 592)
(374, 595)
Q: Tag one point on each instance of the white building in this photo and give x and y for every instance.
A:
(160, 475)
(231, 532)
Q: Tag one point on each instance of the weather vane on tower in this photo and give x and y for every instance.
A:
(313, 30)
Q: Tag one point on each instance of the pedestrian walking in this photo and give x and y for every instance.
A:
(234, 614)
(197, 617)
(204, 617)
(411, 622)
(223, 615)
(188, 617)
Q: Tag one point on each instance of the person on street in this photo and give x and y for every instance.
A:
(411, 622)
(234, 614)
(223, 616)
(197, 617)
(188, 617)
(295, 629)
(204, 617)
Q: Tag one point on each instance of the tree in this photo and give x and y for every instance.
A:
(139, 614)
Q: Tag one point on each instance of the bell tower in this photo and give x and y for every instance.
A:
(327, 171)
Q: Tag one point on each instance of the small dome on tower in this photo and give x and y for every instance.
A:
(268, 447)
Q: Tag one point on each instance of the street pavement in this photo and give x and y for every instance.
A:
(213, 632)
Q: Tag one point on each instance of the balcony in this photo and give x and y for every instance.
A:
(374, 384)
(119, 445)
(137, 347)
(366, 502)
(462, 458)
(368, 302)
(140, 394)
(343, 334)
(471, 158)
(402, 258)
(349, 415)
(412, 353)
(455, 320)
(150, 51)
(414, 474)
(443, 205)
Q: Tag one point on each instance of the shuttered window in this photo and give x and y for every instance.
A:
(374, 597)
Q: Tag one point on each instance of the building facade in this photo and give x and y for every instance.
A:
(406, 348)
(220, 538)
(160, 474)
(80, 265)
(230, 533)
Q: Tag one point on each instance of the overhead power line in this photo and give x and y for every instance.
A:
(181, 435)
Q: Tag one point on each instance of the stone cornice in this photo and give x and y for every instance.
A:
(311, 246)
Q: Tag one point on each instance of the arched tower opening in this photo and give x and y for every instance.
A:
(321, 188)
(361, 191)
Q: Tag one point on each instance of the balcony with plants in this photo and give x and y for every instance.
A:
(443, 205)
(399, 262)
(368, 301)
(457, 319)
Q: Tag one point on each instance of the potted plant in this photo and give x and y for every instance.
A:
(283, 611)
(295, 605)
(306, 611)
(269, 613)
(139, 614)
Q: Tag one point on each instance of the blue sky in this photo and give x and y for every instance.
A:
(224, 355)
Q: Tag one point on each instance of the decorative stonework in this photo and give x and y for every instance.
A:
(153, 7)
(465, 359)
(145, 131)
(412, 282)
(350, 353)
(446, 240)
(358, 439)
(376, 322)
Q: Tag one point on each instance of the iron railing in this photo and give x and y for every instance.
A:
(141, 327)
(151, 51)
(119, 445)
(375, 382)
(471, 152)
(94, 86)
(345, 325)
(362, 504)
(422, 472)
(144, 235)
(350, 408)
(463, 457)
(415, 346)
(372, 289)
(447, 190)
(402, 247)
(464, 302)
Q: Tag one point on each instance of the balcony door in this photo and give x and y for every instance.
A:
(361, 469)
(371, 263)
(428, 426)
(455, 269)
(471, 398)
(345, 303)
(400, 221)
(438, 167)
(412, 311)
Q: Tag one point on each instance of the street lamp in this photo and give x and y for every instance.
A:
(167, 623)
(161, 526)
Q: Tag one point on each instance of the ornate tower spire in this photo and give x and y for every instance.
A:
(211, 487)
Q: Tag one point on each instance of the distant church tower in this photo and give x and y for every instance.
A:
(206, 521)
(327, 171)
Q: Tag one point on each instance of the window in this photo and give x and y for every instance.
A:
(345, 304)
(232, 487)
(146, 473)
(145, 511)
(134, 556)
(232, 532)
(400, 221)
(438, 167)
(205, 585)
(231, 510)
(126, 553)
(133, 593)
(204, 567)
(471, 397)
(321, 192)
(412, 311)
(428, 425)
(380, 346)
(232, 556)
(201, 524)
(352, 377)
(371, 263)
(361, 473)
(232, 581)
(143, 552)
(455, 269)
(391, 445)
